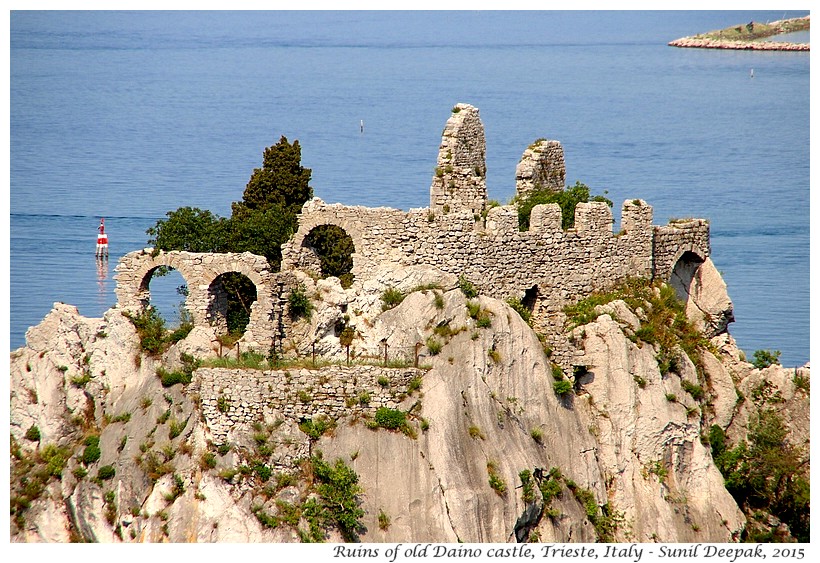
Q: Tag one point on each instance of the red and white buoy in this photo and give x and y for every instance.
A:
(102, 241)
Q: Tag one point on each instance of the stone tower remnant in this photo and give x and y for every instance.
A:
(541, 168)
(459, 182)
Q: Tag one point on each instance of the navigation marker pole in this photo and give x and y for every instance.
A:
(102, 242)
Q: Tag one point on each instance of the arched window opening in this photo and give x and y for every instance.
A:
(232, 296)
(334, 249)
(167, 291)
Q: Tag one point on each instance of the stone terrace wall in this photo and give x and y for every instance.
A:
(334, 391)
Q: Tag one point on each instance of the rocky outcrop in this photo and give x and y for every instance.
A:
(485, 423)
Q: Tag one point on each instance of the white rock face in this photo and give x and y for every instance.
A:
(486, 411)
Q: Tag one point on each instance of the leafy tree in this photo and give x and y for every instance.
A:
(765, 358)
(190, 229)
(282, 181)
(767, 474)
(260, 231)
(567, 199)
(339, 492)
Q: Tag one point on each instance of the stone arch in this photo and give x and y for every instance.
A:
(683, 272)
(231, 294)
(199, 270)
(154, 291)
(309, 258)
(145, 272)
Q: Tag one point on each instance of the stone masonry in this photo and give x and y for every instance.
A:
(459, 182)
(541, 168)
(234, 399)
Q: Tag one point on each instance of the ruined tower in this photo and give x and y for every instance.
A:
(541, 168)
(459, 183)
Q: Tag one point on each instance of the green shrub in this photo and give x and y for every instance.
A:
(467, 287)
(483, 320)
(390, 419)
(550, 489)
(262, 471)
(207, 461)
(537, 434)
(106, 472)
(170, 378)
(519, 308)
(33, 433)
(223, 403)
(495, 480)
(317, 427)
(151, 330)
(176, 427)
(527, 486)
(391, 297)
(91, 453)
(299, 304)
(567, 199)
(384, 520)
(765, 358)
(562, 387)
(434, 346)
(695, 390)
(414, 384)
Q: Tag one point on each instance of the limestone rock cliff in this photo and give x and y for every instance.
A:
(491, 448)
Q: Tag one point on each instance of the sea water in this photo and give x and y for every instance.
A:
(128, 115)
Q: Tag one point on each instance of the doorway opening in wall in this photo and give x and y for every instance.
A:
(334, 249)
(168, 291)
(530, 298)
(231, 299)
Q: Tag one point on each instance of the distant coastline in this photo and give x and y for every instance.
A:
(747, 36)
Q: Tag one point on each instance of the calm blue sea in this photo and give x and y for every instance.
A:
(127, 115)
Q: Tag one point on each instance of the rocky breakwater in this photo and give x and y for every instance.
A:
(707, 43)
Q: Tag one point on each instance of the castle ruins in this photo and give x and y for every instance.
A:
(546, 267)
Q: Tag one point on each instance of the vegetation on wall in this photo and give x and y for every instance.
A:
(566, 199)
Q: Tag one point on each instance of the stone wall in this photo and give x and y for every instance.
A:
(233, 399)
(504, 262)
(546, 266)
